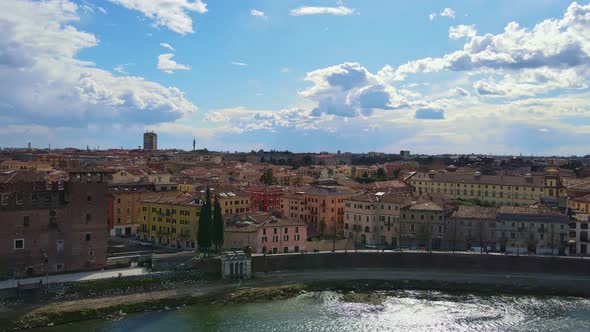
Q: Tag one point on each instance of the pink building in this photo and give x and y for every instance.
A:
(265, 233)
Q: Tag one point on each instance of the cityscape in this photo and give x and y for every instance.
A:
(448, 190)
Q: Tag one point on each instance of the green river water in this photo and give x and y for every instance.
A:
(400, 311)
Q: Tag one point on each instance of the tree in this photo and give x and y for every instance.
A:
(380, 174)
(217, 227)
(204, 231)
(267, 177)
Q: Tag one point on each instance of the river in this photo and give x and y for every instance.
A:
(394, 311)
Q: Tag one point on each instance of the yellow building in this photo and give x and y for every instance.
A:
(124, 214)
(24, 165)
(171, 221)
(580, 204)
(233, 202)
(490, 189)
(186, 187)
(360, 172)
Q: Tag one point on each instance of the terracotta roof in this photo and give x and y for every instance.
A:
(505, 180)
(475, 212)
(585, 199)
(181, 199)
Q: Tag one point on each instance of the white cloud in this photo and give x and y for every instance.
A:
(448, 12)
(168, 46)
(520, 61)
(431, 16)
(167, 65)
(120, 69)
(257, 13)
(461, 31)
(240, 64)
(285, 70)
(173, 14)
(340, 11)
(38, 47)
(350, 90)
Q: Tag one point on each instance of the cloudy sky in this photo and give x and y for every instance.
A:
(497, 76)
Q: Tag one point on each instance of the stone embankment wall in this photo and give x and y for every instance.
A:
(434, 261)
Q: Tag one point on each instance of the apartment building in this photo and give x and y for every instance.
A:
(125, 207)
(472, 227)
(374, 219)
(533, 229)
(324, 208)
(423, 223)
(264, 198)
(264, 233)
(491, 189)
(171, 221)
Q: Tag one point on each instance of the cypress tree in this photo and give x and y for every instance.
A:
(217, 228)
(204, 231)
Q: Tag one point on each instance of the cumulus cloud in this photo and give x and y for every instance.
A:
(173, 14)
(167, 65)
(350, 90)
(461, 31)
(448, 12)
(553, 54)
(257, 13)
(49, 85)
(339, 11)
(168, 46)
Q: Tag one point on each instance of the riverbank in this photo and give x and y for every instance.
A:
(282, 285)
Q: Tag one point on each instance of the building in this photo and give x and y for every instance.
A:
(423, 223)
(579, 243)
(472, 227)
(580, 204)
(324, 208)
(171, 221)
(405, 154)
(233, 202)
(491, 189)
(52, 223)
(533, 229)
(374, 219)
(138, 174)
(150, 141)
(125, 207)
(265, 198)
(264, 233)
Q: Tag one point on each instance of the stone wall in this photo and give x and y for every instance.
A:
(425, 261)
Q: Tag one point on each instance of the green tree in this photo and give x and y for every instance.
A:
(380, 174)
(267, 177)
(204, 231)
(217, 228)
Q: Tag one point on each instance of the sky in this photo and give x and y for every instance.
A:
(495, 76)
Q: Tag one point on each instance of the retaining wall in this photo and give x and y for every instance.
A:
(426, 261)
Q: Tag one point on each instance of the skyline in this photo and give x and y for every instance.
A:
(351, 76)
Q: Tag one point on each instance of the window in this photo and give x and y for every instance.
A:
(19, 244)
(26, 221)
(59, 246)
(88, 236)
(88, 217)
(296, 237)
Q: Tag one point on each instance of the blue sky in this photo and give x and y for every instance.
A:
(504, 77)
